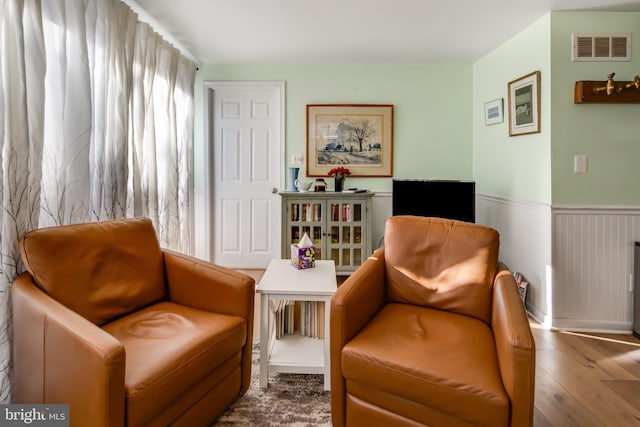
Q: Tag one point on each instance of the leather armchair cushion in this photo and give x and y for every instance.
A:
(100, 270)
(169, 349)
(442, 264)
(408, 360)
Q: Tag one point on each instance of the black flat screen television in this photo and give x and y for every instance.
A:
(438, 198)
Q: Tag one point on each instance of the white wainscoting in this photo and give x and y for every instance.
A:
(578, 260)
(593, 259)
(525, 245)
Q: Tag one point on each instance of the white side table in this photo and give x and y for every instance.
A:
(295, 353)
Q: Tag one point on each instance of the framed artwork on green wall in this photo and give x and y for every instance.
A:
(524, 105)
(493, 112)
(355, 136)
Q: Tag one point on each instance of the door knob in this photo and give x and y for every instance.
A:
(274, 190)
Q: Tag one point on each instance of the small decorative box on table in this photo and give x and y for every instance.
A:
(303, 254)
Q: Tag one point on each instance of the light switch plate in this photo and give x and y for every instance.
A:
(297, 159)
(580, 163)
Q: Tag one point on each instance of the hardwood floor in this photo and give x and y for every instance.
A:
(586, 379)
(582, 380)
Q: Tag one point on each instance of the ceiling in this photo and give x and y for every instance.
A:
(348, 31)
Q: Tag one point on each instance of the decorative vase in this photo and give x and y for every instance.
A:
(338, 182)
(293, 175)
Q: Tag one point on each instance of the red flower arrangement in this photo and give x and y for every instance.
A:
(339, 172)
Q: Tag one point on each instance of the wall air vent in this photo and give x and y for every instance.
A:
(612, 47)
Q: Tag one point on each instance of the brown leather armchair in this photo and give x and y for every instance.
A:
(127, 333)
(430, 330)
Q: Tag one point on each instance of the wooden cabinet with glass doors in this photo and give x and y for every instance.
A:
(338, 224)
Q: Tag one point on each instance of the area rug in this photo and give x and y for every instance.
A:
(295, 400)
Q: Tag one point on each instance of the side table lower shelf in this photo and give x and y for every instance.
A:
(297, 354)
(293, 353)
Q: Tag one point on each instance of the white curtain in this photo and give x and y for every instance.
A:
(96, 122)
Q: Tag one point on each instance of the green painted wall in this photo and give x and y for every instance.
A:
(439, 115)
(515, 167)
(608, 134)
(432, 111)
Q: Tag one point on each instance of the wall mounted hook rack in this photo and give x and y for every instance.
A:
(607, 91)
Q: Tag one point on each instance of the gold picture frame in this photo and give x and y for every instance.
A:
(524, 105)
(355, 136)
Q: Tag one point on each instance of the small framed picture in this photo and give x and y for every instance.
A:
(493, 112)
(524, 105)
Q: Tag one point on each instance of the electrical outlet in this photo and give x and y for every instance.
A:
(297, 159)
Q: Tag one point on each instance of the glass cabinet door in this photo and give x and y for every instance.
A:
(346, 225)
(306, 217)
(338, 226)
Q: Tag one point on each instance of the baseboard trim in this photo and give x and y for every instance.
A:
(592, 326)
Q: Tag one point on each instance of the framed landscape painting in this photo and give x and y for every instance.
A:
(356, 136)
(524, 105)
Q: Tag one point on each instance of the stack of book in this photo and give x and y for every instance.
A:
(312, 319)
(284, 311)
(305, 318)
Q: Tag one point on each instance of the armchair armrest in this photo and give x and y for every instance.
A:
(61, 357)
(206, 286)
(515, 346)
(353, 305)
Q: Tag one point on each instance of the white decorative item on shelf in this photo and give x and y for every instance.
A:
(303, 186)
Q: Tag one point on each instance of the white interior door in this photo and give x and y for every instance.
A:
(247, 174)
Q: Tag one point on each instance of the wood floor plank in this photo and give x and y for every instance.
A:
(542, 336)
(625, 354)
(557, 407)
(540, 420)
(584, 350)
(582, 374)
(627, 390)
(581, 382)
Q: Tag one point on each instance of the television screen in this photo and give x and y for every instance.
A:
(438, 198)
